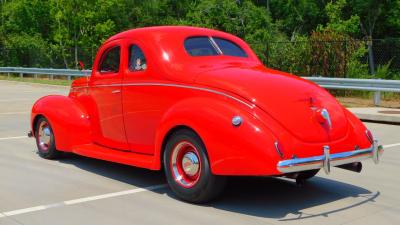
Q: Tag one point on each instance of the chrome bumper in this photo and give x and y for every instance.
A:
(327, 160)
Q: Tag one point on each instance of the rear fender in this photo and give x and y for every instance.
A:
(247, 149)
(68, 118)
(358, 128)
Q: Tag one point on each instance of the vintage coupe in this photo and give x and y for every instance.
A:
(199, 104)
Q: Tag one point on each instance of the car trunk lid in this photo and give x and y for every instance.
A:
(292, 101)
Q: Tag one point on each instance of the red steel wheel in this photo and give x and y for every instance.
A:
(187, 168)
(185, 164)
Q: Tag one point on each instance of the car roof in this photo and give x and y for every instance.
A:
(169, 41)
(168, 32)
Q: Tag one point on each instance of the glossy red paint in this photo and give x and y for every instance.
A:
(126, 116)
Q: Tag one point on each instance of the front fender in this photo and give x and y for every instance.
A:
(68, 118)
(247, 149)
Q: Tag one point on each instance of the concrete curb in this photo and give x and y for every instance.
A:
(377, 114)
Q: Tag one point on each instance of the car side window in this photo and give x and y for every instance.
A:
(229, 48)
(137, 60)
(200, 46)
(110, 60)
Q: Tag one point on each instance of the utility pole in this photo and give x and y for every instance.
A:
(371, 60)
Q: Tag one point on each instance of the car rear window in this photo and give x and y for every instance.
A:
(229, 48)
(200, 46)
(211, 46)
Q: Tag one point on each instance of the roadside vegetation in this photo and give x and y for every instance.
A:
(343, 38)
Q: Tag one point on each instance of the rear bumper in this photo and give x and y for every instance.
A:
(327, 160)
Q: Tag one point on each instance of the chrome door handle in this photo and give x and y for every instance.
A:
(116, 91)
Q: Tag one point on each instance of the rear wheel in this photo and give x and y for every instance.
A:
(188, 170)
(45, 139)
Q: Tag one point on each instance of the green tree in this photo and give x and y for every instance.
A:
(295, 16)
(337, 21)
(24, 32)
(241, 18)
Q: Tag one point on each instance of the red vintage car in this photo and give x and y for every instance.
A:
(199, 104)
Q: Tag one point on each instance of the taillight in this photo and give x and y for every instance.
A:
(369, 136)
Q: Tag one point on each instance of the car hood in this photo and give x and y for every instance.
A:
(293, 102)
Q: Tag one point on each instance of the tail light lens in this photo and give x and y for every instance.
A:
(369, 136)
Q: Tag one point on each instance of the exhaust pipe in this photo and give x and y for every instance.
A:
(355, 167)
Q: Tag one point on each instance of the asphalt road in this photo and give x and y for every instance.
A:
(79, 190)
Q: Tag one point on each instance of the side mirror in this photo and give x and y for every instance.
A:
(81, 66)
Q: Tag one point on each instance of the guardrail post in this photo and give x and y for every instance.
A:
(8, 75)
(21, 75)
(51, 77)
(35, 76)
(377, 98)
(69, 78)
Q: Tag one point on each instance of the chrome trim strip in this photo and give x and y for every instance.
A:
(172, 85)
(318, 162)
(280, 153)
(214, 44)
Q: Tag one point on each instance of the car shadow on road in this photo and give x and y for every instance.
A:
(276, 198)
(134, 176)
(266, 197)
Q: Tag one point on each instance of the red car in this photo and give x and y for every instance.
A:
(199, 104)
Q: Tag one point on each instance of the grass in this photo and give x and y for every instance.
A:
(39, 80)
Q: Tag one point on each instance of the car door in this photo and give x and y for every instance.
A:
(105, 90)
(141, 102)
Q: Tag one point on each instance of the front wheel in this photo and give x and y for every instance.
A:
(45, 139)
(188, 170)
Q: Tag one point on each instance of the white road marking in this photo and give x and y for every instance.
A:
(12, 113)
(9, 138)
(80, 200)
(391, 145)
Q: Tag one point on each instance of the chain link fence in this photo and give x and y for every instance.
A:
(348, 59)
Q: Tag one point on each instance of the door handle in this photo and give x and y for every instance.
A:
(116, 91)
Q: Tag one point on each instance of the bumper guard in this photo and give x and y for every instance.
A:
(327, 160)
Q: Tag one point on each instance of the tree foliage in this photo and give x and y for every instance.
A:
(61, 32)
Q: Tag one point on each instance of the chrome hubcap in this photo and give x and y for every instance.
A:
(190, 164)
(44, 135)
(185, 164)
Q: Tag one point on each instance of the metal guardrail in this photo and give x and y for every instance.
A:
(357, 84)
(42, 71)
(375, 85)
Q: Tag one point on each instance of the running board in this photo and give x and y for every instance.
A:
(123, 157)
